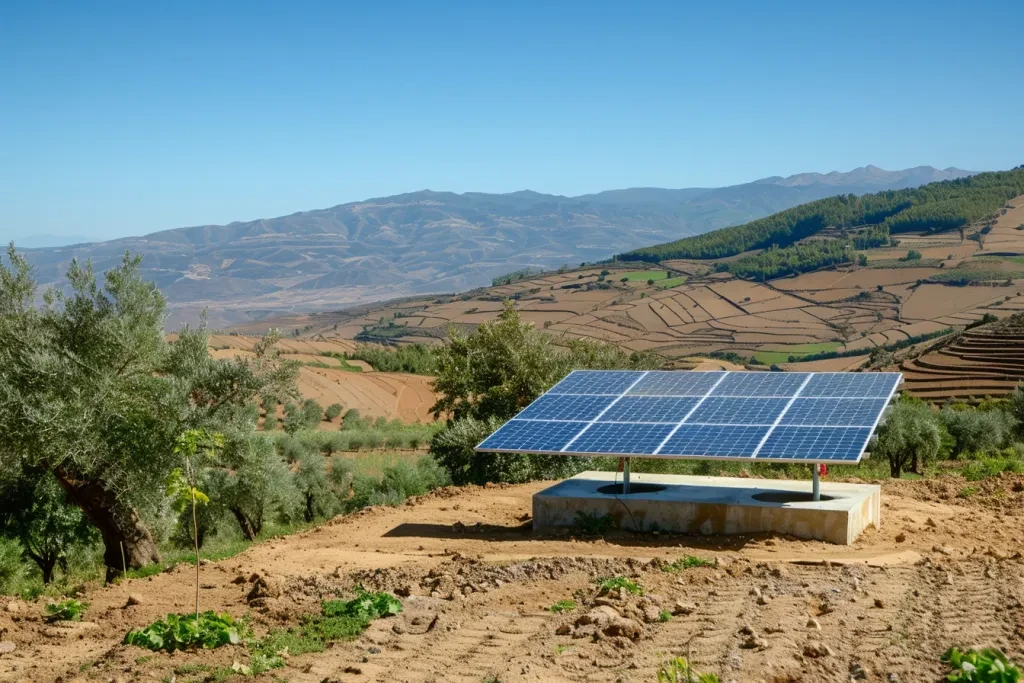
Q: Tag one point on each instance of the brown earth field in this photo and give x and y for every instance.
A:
(477, 583)
(698, 311)
(394, 395)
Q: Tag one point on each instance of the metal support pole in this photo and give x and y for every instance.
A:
(625, 476)
(816, 485)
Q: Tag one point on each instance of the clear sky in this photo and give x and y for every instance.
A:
(125, 118)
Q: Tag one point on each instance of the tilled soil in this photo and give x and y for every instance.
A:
(477, 585)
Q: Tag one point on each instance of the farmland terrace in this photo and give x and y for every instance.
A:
(918, 286)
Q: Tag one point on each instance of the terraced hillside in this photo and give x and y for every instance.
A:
(920, 286)
(983, 361)
(326, 378)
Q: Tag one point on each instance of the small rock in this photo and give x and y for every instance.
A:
(900, 537)
(813, 623)
(879, 603)
(563, 630)
(240, 579)
(683, 608)
(817, 650)
(14, 607)
(755, 592)
(626, 628)
(7, 647)
(264, 587)
(133, 599)
(930, 522)
(747, 630)
(652, 615)
(754, 643)
(858, 672)
(763, 600)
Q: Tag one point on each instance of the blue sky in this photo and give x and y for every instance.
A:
(125, 118)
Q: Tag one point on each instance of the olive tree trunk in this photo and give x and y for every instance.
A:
(119, 525)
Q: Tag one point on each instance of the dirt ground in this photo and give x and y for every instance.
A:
(943, 570)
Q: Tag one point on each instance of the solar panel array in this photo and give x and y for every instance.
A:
(781, 417)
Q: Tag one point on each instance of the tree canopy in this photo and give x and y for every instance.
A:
(93, 394)
(945, 205)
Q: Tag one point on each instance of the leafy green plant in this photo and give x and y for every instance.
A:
(562, 606)
(617, 582)
(966, 492)
(198, 448)
(686, 562)
(592, 525)
(366, 606)
(679, 671)
(664, 616)
(989, 665)
(186, 631)
(66, 610)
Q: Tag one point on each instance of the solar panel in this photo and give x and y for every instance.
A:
(780, 417)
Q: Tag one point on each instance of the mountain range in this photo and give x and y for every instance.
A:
(424, 242)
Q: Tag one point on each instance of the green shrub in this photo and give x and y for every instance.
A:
(352, 419)
(184, 632)
(333, 411)
(397, 483)
(66, 610)
(980, 666)
(664, 616)
(12, 567)
(678, 671)
(686, 562)
(992, 467)
(563, 606)
(977, 430)
(366, 606)
(617, 582)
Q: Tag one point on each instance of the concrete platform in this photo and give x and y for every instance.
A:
(713, 505)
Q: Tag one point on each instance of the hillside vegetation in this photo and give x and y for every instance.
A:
(945, 205)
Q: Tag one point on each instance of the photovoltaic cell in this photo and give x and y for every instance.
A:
(650, 409)
(759, 384)
(620, 438)
(714, 440)
(851, 384)
(558, 407)
(675, 384)
(834, 412)
(596, 382)
(738, 411)
(794, 417)
(844, 444)
(532, 437)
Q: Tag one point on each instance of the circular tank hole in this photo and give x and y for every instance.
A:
(788, 497)
(634, 487)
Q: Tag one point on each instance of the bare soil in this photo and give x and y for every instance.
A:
(943, 570)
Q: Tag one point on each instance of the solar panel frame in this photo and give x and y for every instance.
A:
(887, 381)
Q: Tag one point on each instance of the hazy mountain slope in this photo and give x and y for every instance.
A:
(432, 241)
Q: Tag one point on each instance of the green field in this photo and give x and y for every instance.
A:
(670, 282)
(797, 350)
(644, 275)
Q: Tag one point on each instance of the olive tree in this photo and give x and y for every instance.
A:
(909, 438)
(93, 393)
(36, 513)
